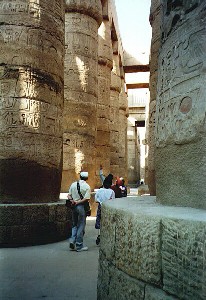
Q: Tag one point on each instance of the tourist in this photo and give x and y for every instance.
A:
(78, 200)
(103, 194)
(115, 187)
(123, 187)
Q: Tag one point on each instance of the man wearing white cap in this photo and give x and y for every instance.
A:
(78, 199)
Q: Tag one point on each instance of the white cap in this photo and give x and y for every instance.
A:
(84, 174)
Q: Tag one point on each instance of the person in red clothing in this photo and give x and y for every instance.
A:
(115, 187)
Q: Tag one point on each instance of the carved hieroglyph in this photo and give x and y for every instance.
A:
(31, 100)
(81, 48)
(181, 108)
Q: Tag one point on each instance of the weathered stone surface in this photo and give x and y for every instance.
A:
(31, 35)
(10, 216)
(35, 214)
(131, 242)
(81, 89)
(183, 258)
(155, 21)
(161, 247)
(180, 113)
(34, 224)
(103, 101)
(116, 285)
(152, 293)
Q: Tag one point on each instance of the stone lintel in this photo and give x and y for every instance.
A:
(136, 68)
(137, 85)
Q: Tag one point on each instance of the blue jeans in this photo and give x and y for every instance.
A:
(78, 225)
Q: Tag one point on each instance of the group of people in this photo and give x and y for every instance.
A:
(79, 195)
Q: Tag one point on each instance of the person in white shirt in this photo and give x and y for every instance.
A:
(78, 199)
(103, 194)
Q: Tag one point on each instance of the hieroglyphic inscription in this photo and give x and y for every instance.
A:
(81, 44)
(30, 115)
(20, 6)
(181, 77)
(13, 6)
(77, 148)
(175, 12)
(34, 147)
(81, 23)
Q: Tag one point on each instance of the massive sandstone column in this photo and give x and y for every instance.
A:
(80, 107)
(103, 115)
(123, 114)
(114, 112)
(155, 19)
(31, 99)
(181, 106)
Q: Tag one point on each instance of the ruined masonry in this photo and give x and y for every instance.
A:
(60, 110)
(153, 247)
(32, 96)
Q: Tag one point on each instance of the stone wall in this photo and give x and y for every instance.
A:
(180, 110)
(150, 251)
(31, 91)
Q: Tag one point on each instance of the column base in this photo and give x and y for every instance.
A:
(34, 224)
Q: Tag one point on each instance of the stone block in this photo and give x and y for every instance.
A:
(52, 213)
(162, 246)
(183, 258)
(116, 285)
(131, 241)
(10, 215)
(4, 234)
(61, 213)
(103, 138)
(35, 214)
(153, 293)
(21, 234)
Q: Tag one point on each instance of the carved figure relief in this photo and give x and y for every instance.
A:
(181, 103)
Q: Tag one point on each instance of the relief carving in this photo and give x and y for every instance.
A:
(175, 12)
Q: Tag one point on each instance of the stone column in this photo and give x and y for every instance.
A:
(123, 114)
(133, 145)
(181, 107)
(114, 112)
(103, 115)
(155, 20)
(80, 108)
(31, 91)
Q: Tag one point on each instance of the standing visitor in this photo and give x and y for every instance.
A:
(115, 187)
(79, 194)
(103, 194)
